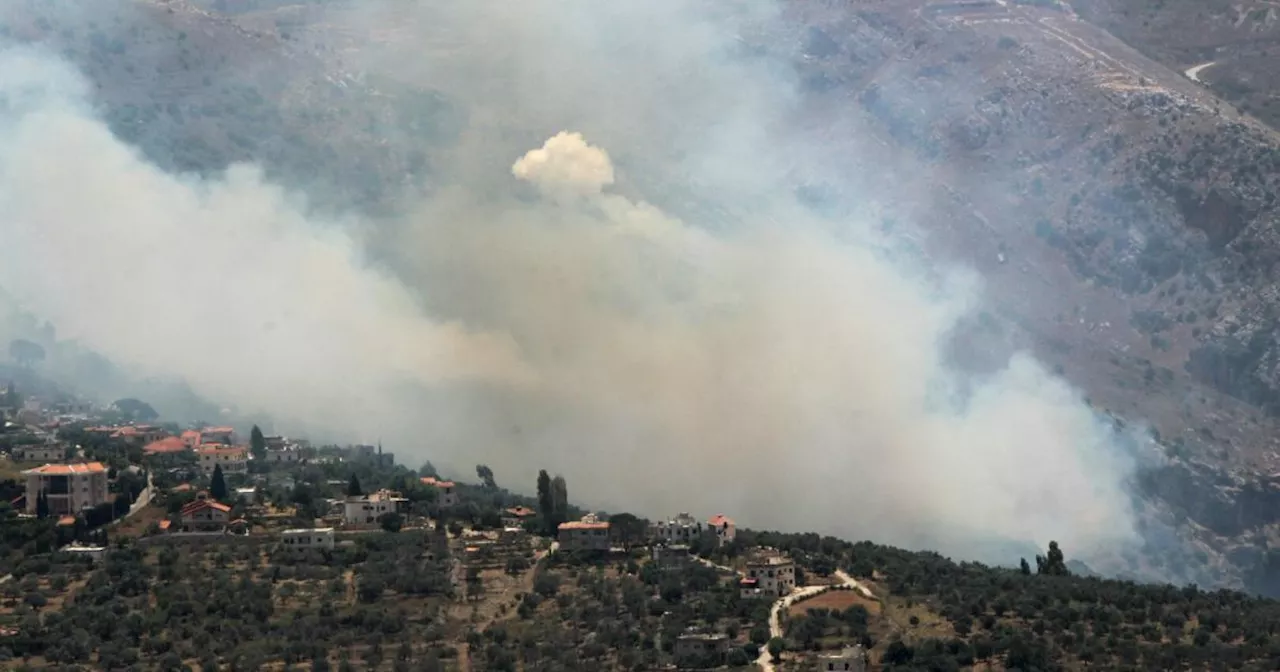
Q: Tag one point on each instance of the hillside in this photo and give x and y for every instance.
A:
(1121, 214)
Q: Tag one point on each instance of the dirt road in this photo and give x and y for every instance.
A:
(775, 620)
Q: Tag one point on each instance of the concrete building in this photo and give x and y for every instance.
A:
(774, 573)
(683, 529)
(69, 488)
(446, 491)
(95, 553)
(219, 435)
(367, 509)
(288, 454)
(588, 534)
(41, 452)
(232, 459)
(322, 537)
(701, 650)
(850, 659)
(169, 445)
(204, 515)
(724, 529)
(672, 557)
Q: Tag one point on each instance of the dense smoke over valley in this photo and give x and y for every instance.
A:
(552, 300)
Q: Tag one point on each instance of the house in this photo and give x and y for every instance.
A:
(774, 572)
(367, 509)
(701, 649)
(139, 434)
(232, 459)
(204, 515)
(446, 491)
(683, 529)
(222, 435)
(94, 553)
(588, 534)
(321, 537)
(287, 454)
(724, 529)
(41, 452)
(672, 557)
(69, 488)
(849, 659)
(166, 446)
(749, 588)
(191, 438)
(517, 515)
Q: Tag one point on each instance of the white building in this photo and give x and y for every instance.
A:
(232, 459)
(94, 553)
(286, 455)
(366, 509)
(321, 537)
(850, 659)
(683, 529)
(774, 574)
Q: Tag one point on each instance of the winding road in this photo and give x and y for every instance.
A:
(775, 621)
(1193, 73)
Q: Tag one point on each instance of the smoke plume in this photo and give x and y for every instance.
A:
(546, 306)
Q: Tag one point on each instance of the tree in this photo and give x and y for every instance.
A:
(26, 353)
(1024, 567)
(257, 443)
(775, 647)
(560, 500)
(1054, 563)
(42, 505)
(391, 521)
(628, 528)
(353, 487)
(428, 470)
(485, 474)
(546, 503)
(218, 484)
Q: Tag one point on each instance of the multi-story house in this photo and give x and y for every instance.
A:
(772, 573)
(683, 529)
(205, 515)
(41, 452)
(724, 529)
(446, 491)
(588, 534)
(232, 459)
(367, 509)
(69, 488)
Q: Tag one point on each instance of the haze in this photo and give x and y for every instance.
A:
(535, 307)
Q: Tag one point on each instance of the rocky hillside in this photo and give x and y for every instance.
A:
(1122, 215)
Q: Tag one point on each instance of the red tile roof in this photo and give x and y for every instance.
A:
(66, 521)
(170, 444)
(68, 469)
(522, 512)
(720, 520)
(164, 524)
(432, 481)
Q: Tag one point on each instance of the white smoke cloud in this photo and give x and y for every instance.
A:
(769, 367)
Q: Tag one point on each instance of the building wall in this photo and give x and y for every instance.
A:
(68, 494)
(230, 463)
(43, 453)
(775, 579)
(308, 539)
(596, 539)
(364, 511)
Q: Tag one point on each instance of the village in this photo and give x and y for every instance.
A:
(149, 485)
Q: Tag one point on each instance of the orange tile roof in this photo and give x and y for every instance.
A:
(522, 512)
(164, 524)
(720, 520)
(182, 487)
(204, 504)
(68, 469)
(579, 525)
(191, 435)
(432, 481)
(66, 521)
(170, 444)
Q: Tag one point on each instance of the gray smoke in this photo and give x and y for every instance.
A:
(546, 307)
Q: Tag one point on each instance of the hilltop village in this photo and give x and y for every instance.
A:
(128, 543)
